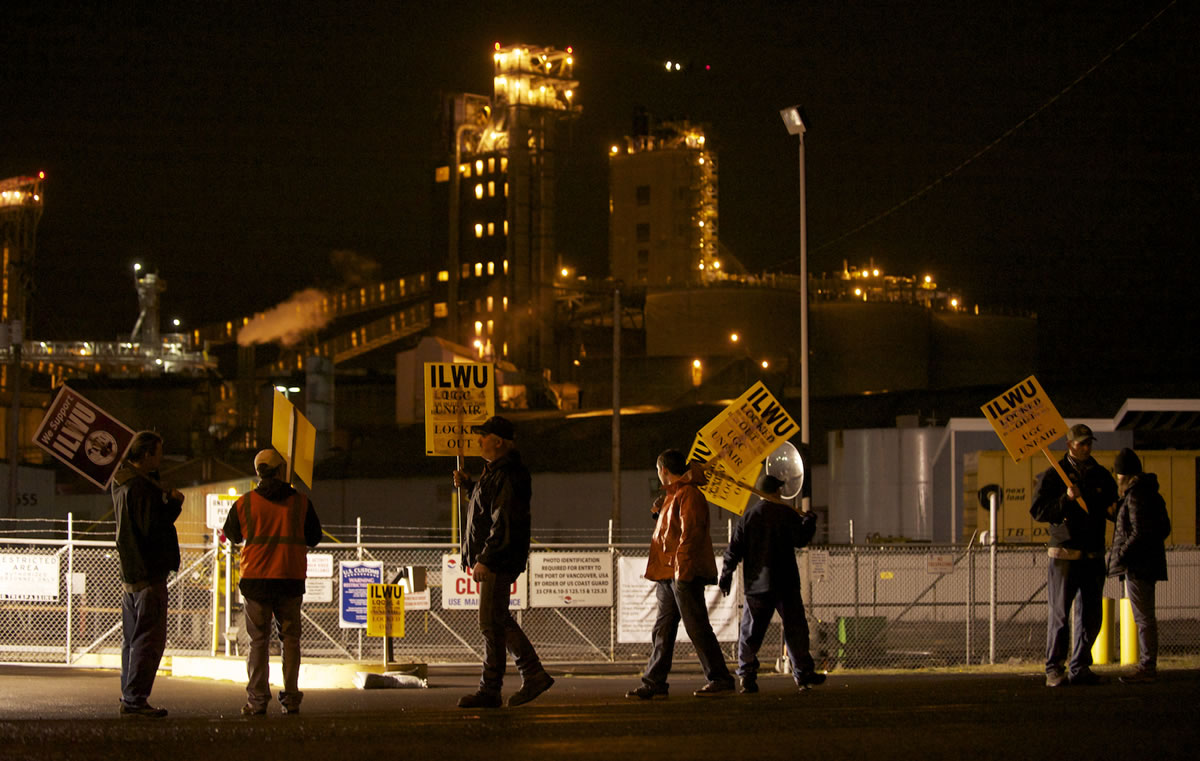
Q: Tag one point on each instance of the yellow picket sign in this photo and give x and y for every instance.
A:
(385, 610)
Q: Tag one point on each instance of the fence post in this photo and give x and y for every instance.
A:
(994, 507)
(70, 579)
(970, 597)
(216, 599)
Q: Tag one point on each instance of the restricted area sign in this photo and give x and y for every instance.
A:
(84, 437)
(1025, 419)
(458, 395)
(385, 610)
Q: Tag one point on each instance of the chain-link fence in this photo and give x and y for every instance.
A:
(869, 606)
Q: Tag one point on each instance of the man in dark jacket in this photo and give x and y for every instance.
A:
(495, 547)
(1076, 551)
(278, 525)
(1139, 555)
(764, 541)
(149, 551)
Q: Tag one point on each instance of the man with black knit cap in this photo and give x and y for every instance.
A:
(1076, 550)
(1138, 554)
(764, 541)
(278, 525)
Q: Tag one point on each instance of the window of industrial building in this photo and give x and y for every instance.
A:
(643, 274)
(504, 168)
(491, 268)
(643, 257)
(491, 189)
(490, 303)
(478, 269)
(492, 165)
(479, 190)
(444, 276)
(491, 324)
(643, 232)
(491, 229)
(440, 309)
(466, 269)
(479, 166)
(643, 195)
(479, 231)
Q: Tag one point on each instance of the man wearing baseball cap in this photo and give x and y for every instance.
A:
(1076, 550)
(278, 525)
(495, 547)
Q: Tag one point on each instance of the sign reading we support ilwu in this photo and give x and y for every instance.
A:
(84, 437)
(1025, 419)
(458, 395)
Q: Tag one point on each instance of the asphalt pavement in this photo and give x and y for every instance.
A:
(63, 713)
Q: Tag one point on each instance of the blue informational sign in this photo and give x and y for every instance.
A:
(354, 576)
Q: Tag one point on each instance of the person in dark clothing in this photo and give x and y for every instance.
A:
(278, 525)
(1076, 551)
(1138, 554)
(764, 541)
(495, 546)
(148, 547)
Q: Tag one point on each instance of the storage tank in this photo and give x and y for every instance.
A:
(881, 478)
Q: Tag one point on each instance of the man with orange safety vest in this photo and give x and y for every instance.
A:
(278, 525)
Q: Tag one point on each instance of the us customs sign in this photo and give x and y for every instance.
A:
(84, 437)
(458, 395)
(1025, 419)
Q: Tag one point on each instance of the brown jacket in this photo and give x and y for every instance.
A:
(681, 548)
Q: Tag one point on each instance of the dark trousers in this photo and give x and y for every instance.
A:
(756, 617)
(280, 614)
(144, 626)
(1141, 598)
(1080, 581)
(683, 601)
(502, 634)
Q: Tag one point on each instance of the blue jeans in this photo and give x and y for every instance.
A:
(683, 601)
(144, 630)
(502, 634)
(756, 617)
(1141, 599)
(1068, 581)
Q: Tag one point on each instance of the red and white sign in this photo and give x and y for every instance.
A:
(84, 437)
(461, 592)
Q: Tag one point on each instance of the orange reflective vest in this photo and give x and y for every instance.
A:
(274, 535)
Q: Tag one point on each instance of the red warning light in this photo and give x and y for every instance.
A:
(41, 175)
(497, 46)
(570, 49)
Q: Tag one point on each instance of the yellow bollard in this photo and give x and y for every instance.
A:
(1129, 638)
(1102, 647)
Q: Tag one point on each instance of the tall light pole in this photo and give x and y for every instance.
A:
(794, 119)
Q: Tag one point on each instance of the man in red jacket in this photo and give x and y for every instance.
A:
(681, 564)
(278, 525)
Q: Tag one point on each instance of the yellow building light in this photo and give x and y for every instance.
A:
(491, 188)
(490, 299)
(491, 270)
(717, 265)
(734, 337)
(615, 149)
(479, 230)
(479, 191)
(444, 276)
(478, 269)
(491, 229)
(479, 166)
(765, 364)
(478, 328)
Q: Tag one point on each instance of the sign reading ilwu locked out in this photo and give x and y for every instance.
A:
(458, 395)
(1026, 421)
(739, 438)
(89, 440)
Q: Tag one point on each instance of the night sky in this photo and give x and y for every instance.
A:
(235, 146)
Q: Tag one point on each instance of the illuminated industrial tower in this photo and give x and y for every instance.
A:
(663, 196)
(21, 202)
(502, 255)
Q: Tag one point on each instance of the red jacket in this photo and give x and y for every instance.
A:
(681, 548)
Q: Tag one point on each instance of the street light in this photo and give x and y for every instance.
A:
(796, 122)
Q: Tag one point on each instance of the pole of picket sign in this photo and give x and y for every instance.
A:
(70, 578)
(1066, 481)
(456, 519)
(228, 594)
(216, 599)
(993, 508)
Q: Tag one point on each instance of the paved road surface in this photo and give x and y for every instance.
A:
(50, 713)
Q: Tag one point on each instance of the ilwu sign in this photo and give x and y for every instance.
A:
(458, 395)
(89, 440)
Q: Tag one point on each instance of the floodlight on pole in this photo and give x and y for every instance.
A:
(797, 123)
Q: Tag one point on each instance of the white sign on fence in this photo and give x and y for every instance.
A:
(32, 578)
(570, 580)
(216, 509)
(637, 607)
(461, 592)
(818, 563)
(320, 565)
(318, 590)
